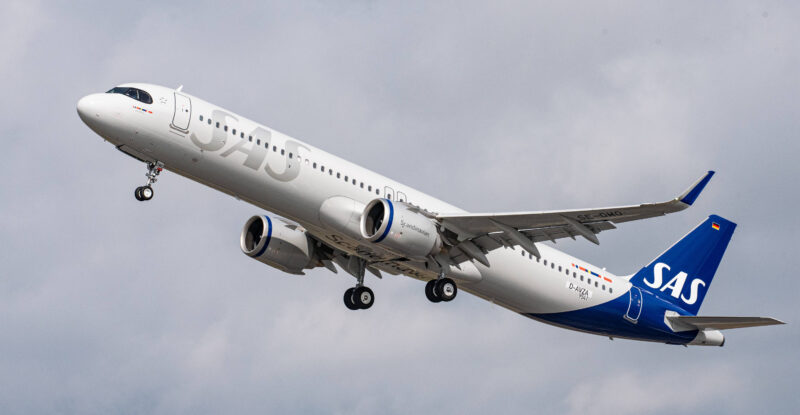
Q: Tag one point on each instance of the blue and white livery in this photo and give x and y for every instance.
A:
(329, 212)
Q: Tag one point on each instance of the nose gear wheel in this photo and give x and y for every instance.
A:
(145, 192)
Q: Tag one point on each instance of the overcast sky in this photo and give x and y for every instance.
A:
(109, 305)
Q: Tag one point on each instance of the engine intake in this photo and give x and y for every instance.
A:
(284, 247)
(398, 228)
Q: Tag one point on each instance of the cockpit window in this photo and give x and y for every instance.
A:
(134, 93)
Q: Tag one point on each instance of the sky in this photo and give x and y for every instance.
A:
(109, 305)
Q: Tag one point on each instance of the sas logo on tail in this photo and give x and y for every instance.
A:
(675, 284)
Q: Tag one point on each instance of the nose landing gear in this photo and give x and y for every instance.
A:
(145, 192)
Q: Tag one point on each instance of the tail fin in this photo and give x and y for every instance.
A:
(682, 274)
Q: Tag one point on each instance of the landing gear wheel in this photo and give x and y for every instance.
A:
(363, 297)
(138, 194)
(430, 292)
(348, 299)
(146, 192)
(445, 289)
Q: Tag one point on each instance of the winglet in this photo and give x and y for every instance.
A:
(691, 194)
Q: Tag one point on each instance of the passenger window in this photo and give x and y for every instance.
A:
(290, 155)
(266, 145)
(330, 172)
(226, 128)
(595, 283)
(362, 185)
(354, 182)
(545, 262)
(258, 142)
(315, 164)
(217, 124)
(321, 167)
(604, 287)
(201, 118)
(209, 121)
(581, 277)
(283, 152)
(234, 131)
(369, 188)
(250, 139)
(610, 290)
(275, 149)
(552, 265)
(338, 175)
(241, 134)
(345, 179)
(377, 192)
(559, 268)
(574, 275)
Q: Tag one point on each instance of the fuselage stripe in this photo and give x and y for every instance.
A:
(592, 273)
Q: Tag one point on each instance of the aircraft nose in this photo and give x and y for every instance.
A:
(88, 107)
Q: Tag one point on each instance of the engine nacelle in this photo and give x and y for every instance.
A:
(276, 244)
(397, 228)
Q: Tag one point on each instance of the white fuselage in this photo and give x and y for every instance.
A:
(293, 179)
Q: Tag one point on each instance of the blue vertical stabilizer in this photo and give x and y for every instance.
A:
(682, 274)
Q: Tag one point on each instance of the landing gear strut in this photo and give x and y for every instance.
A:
(145, 192)
(442, 289)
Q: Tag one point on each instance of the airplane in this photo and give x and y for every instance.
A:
(328, 212)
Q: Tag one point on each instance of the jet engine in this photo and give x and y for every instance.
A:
(285, 247)
(400, 228)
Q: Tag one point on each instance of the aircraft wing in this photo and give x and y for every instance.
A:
(722, 323)
(480, 233)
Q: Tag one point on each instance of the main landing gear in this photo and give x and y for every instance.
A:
(359, 298)
(442, 289)
(145, 192)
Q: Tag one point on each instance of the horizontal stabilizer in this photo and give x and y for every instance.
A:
(721, 323)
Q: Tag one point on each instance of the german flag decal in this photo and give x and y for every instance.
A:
(715, 226)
